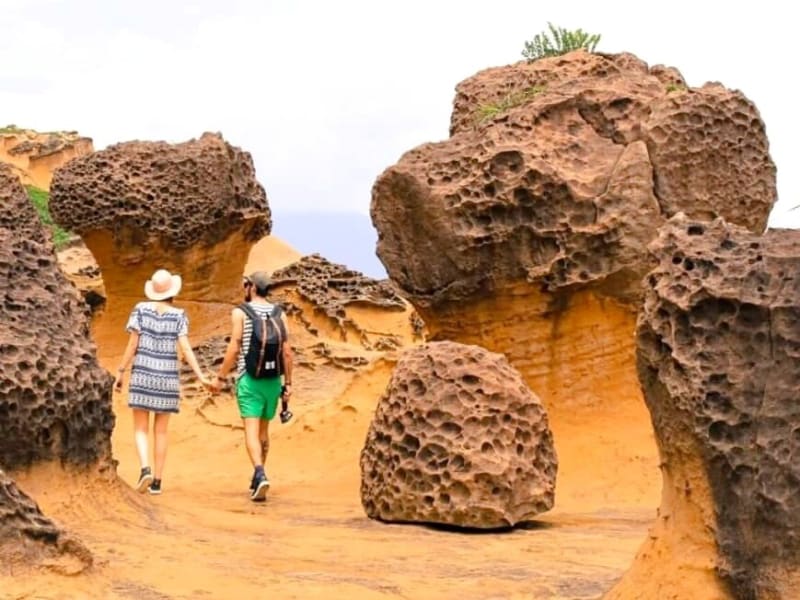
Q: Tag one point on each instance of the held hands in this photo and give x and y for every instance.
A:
(205, 381)
(214, 384)
(119, 379)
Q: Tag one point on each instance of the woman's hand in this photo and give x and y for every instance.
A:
(207, 383)
(118, 381)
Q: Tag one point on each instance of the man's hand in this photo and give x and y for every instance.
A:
(215, 384)
(287, 390)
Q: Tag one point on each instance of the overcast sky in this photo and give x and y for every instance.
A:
(326, 94)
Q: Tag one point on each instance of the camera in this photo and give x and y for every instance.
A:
(286, 415)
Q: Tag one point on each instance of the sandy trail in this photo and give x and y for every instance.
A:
(204, 538)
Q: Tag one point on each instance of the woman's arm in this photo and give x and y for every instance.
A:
(127, 356)
(188, 353)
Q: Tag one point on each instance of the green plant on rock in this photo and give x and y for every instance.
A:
(675, 87)
(486, 112)
(41, 201)
(562, 41)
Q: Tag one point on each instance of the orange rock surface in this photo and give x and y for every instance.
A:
(34, 156)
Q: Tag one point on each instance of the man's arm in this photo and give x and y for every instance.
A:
(234, 346)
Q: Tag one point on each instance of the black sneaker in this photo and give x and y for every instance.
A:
(155, 487)
(145, 479)
(260, 488)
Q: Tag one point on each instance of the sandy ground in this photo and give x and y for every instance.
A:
(204, 538)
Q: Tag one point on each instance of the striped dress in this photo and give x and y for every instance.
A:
(154, 382)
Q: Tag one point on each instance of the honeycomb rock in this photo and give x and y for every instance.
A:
(330, 289)
(558, 188)
(55, 399)
(719, 361)
(26, 535)
(710, 156)
(457, 439)
(195, 208)
(526, 231)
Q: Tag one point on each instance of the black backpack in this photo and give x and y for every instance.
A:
(263, 359)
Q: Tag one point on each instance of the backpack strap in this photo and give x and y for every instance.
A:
(277, 312)
(248, 310)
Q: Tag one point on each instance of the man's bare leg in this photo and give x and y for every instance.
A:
(263, 435)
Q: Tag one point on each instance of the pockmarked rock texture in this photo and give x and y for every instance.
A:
(719, 361)
(527, 228)
(330, 289)
(194, 208)
(457, 439)
(55, 399)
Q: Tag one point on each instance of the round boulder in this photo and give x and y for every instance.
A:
(458, 439)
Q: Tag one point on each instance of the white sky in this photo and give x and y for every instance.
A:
(327, 93)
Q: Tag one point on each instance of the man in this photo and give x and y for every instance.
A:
(264, 374)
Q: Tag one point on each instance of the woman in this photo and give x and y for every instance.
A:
(156, 329)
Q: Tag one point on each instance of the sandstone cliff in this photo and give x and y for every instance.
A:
(34, 156)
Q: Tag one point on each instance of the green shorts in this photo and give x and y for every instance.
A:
(258, 398)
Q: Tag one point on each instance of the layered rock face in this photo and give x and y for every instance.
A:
(526, 231)
(194, 208)
(55, 400)
(719, 360)
(330, 290)
(35, 156)
(457, 439)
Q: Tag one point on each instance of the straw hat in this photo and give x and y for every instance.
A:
(162, 285)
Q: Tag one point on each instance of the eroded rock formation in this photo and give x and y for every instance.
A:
(526, 231)
(458, 439)
(719, 360)
(34, 156)
(55, 400)
(329, 290)
(27, 535)
(195, 208)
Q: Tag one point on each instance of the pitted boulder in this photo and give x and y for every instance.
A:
(195, 208)
(458, 439)
(55, 399)
(719, 361)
